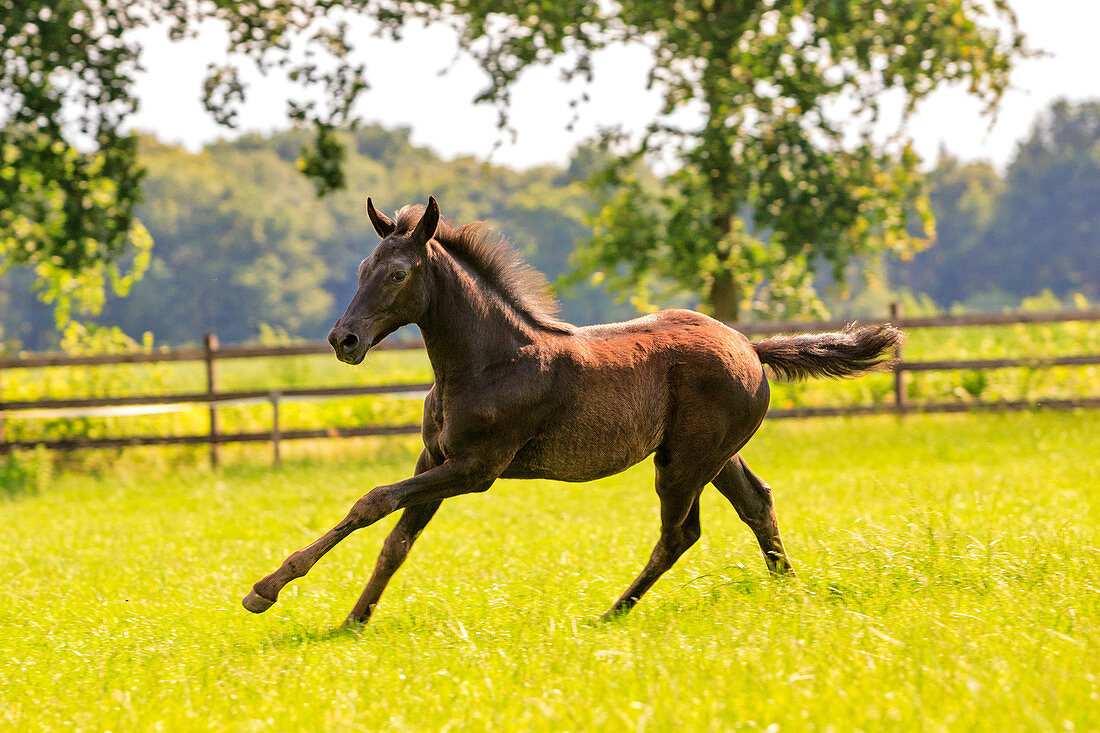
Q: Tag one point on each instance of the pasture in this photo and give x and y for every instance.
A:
(948, 579)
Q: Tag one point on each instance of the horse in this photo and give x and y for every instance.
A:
(520, 393)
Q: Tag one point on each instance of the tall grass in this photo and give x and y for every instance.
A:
(948, 580)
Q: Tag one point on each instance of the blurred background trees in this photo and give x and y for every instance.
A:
(1035, 228)
(241, 240)
(779, 166)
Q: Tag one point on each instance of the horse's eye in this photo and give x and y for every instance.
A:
(399, 276)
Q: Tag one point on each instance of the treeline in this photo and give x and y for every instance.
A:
(1034, 228)
(242, 242)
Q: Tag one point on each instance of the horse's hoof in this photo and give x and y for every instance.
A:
(782, 571)
(615, 614)
(256, 603)
(353, 624)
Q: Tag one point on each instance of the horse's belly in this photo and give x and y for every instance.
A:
(590, 444)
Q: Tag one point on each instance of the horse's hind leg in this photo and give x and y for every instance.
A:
(752, 498)
(680, 529)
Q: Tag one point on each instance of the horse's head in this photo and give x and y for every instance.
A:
(393, 289)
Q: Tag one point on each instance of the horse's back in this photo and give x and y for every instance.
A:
(708, 348)
(703, 359)
(620, 388)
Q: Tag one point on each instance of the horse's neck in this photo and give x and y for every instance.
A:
(465, 327)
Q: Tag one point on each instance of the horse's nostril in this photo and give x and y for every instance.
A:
(349, 342)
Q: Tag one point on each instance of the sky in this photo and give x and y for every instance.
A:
(423, 83)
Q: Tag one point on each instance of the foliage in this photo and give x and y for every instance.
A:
(75, 206)
(1004, 237)
(947, 580)
(69, 179)
(784, 173)
(26, 472)
(241, 240)
(1048, 220)
(791, 92)
(963, 197)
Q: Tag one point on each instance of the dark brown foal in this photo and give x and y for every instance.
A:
(521, 394)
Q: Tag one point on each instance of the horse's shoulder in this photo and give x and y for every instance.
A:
(503, 393)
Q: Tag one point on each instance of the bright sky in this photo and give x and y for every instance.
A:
(409, 89)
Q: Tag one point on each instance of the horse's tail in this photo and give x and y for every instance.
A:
(853, 351)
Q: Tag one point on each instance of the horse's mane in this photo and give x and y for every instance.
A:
(488, 253)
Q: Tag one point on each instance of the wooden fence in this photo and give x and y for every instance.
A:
(210, 353)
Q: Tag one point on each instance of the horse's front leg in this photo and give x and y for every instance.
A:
(450, 478)
(394, 550)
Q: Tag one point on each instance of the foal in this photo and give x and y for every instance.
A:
(521, 394)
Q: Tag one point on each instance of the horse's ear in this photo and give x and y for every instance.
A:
(382, 223)
(425, 230)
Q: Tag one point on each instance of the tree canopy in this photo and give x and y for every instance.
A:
(781, 171)
(70, 179)
(784, 165)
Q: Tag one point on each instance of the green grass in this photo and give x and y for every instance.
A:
(949, 579)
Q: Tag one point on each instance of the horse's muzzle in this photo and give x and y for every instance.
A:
(349, 348)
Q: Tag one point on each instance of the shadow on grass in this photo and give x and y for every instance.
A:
(382, 628)
(302, 636)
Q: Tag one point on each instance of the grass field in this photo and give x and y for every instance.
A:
(949, 579)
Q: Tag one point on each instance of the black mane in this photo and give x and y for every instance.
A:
(485, 251)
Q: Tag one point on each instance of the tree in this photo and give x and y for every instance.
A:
(70, 179)
(238, 244)
(963, 197)
(1001, 238)
(1046, 231)
(783, 173)
(67, 211)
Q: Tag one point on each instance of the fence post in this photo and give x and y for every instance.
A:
(276, 434)
(899, 373)
(210, 347)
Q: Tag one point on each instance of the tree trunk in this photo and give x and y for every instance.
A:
(724, 297)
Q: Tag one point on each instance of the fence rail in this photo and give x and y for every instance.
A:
(211, 353)
(206, 397)
(35, 360)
